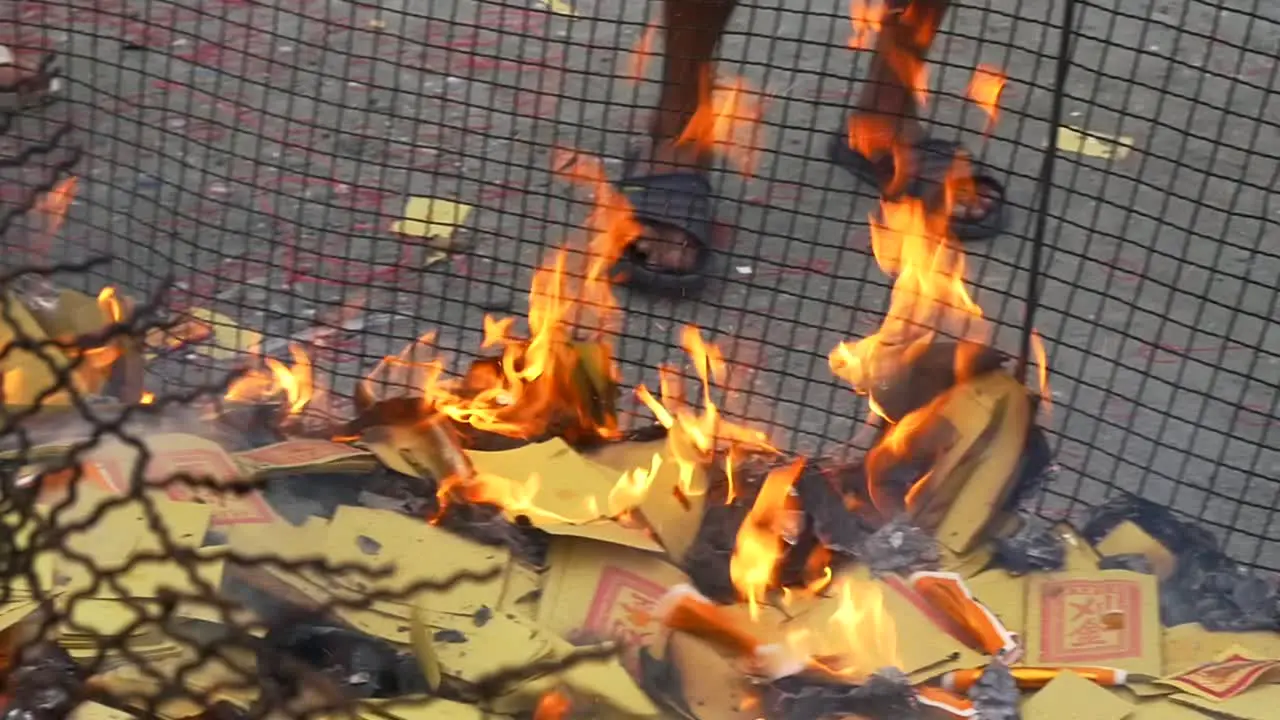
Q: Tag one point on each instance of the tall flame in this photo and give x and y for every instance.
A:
(728, 123)
(754, 564)
(532, 384)
(694, 435)
(911, 240)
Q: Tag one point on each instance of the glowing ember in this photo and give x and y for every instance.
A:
(147, 398)
(694, 436)
(759, 547)
(295, 383)
(985, 89)
(552, 706)
(865, 20)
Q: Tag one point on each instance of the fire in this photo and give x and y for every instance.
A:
(759, 548)
(865, 636)
(148, 398)
(1042, 371)
(985, 89)
(642, 53)
(538, 381)
(929, 294)
(911, 241)
(694, 436)
(102, 357)
(554, 705)
(52, 209)
(295, 383)
(513, 496)
(865, 20)
(633, 486)
(729, 123)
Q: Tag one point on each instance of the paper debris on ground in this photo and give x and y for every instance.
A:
(573, 491)
(600, 591)
(1189, 645)
(431, 217)
(110, 466)
(967, 487)
(1227, 675)
(1164, 709)
(714, 686)
(1070, 697)
(1080, 555)
(420, 708)
(1005, 595)
(1094, 144)
(1257, 703)
(1129, 539)
(306, 456)
(26, 375)
(418, 552)
(226, 339)
(1107, 618)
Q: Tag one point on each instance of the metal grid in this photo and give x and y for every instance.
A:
(254, 155)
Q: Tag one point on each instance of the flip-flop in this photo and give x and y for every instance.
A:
(679, 200)
(933, 161)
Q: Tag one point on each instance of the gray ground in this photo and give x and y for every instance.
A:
(258, 151)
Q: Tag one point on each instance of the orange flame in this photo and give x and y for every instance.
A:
(985, 89)
(865, 637)
(865, 20)
(728, 123)
(147, 398)
(101, 358)
(912, 241)
(52, 208)
(554, 705)
(533, 385)
(295, 383)
(633, 486)
(693, 437)
(515, 497)
(758, 550)
(642, 53)
(1042, 372)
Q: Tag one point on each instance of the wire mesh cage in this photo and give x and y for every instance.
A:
(344, 177)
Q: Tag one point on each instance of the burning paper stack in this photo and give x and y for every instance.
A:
(495, 543)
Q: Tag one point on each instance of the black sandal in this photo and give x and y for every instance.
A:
(679, 200)
(38, 88)
(933, 160)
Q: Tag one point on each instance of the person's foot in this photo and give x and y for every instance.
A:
(666, 247)
(22, 73)
(978, 200)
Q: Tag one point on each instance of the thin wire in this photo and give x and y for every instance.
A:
(1046, 183)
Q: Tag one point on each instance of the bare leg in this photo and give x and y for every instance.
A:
(887, 109)
(693, 29)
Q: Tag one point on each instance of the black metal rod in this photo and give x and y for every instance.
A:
(1045, 188)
